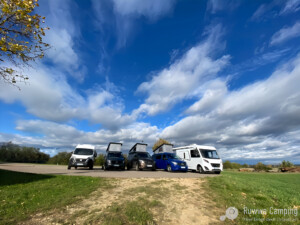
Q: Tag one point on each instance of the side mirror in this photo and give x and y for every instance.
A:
(95, 154)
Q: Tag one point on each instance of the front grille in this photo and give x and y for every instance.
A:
(182, 164)
(116, 162)
(80, 160)
(215, 165)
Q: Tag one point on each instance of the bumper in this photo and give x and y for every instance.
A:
(213, 169)
(147, 166)
(80, 164)
(116, 166)
(179, 168)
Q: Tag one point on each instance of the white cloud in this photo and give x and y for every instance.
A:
(253, 122)
(63, 31)
(218, 5)
(54, 135)
(180, 80)
(151, 9)
(291, 6)
(121, 15)
(286, 34)
(49, 96)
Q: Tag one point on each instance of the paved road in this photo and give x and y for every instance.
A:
(97, 171)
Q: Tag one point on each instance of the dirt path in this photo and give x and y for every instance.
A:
(97, 172)
(172, 201)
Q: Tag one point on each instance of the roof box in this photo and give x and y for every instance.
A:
(114, 147)
(164, 148)
(139, 147)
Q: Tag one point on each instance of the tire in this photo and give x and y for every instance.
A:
(75, 167)
(104, 167)
(153, 168)
(200, 169)
(69, 167)
(217, 172)
(137, 167)
(169, 168)
(91, 166)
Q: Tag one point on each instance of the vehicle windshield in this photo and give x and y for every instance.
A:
(83, 151)
(172, 156)
(144, 155)
(210, 154)
(115, 154)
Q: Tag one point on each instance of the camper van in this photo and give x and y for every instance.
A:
(114, 158)
(165, 159)
(83, 156)
(139, 158)
(200, 158)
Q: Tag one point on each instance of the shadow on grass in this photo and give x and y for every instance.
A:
(11, 177)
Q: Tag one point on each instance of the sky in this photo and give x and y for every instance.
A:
(220, 73)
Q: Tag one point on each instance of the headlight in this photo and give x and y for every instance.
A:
(74, 160)
(142, 162)
(109, 162)
(206, 161)
(174, 163)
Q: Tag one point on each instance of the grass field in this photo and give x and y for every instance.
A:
(258, 191)
(23, 194)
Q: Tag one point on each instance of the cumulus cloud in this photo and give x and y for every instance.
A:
(179, 81)
(49, 96)
(251, 121)
(286, 34)
(47, 134)
(61, 36)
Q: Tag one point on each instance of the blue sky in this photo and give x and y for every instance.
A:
(221, 73)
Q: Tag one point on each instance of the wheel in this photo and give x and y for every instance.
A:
(200, 170)
(137, 167)
(69, 167)
(75, 167)
(104, 167)
(217, 172)
(169, 168)
(153, 168)
(91, 166)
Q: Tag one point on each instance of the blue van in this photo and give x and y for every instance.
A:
(169, 161)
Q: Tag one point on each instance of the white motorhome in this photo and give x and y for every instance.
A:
(83, 156)
(200, 158)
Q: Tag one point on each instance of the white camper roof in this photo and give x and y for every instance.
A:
(195, 146)
(86, 146)
(114, 147)
(164, 148)
(139, 147)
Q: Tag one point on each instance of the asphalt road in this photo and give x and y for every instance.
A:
(97, 171)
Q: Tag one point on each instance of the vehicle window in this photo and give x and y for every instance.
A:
(114, 154)
(164, 157)
(158, 157)
(210, 154)
(195, 153)
(83, 151)
(143, 155)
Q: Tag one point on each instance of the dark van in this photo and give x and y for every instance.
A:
(139, 158)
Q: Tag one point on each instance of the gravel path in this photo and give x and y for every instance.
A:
(96, 172)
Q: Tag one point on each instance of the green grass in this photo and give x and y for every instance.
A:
(23, 194)
(257, 191)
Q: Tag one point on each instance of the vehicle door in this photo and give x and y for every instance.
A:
(135, 159)
(164, 161)
(158, 161)
(195, 159)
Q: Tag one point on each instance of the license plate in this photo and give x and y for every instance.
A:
(149, 165)
(79, 164)
(183, 167)
(116, 165)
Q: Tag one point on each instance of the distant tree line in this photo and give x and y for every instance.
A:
(10, 152)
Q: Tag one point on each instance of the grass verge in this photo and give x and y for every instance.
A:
(263, 191)
(23, 194)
